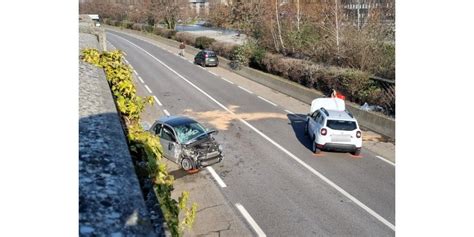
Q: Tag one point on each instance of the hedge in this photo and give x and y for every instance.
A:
(223, 49)
(204, 42)
(166, 33)
(187, 38)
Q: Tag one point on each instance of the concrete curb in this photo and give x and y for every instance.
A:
(370, 120)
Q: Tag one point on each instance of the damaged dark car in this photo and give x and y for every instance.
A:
(186, 142)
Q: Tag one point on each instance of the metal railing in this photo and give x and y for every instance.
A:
(388, 88)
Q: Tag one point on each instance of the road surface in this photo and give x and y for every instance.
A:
(271, 177)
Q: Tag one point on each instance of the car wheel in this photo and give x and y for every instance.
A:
(316, 150)
(356, 152)
(187, 164)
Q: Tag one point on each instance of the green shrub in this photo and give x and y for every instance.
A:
(256, 59)
(204, 42)
(244, 53)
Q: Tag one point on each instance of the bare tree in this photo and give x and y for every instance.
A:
(167, 11)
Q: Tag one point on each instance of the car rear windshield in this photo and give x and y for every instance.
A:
(341, 125)
(211, 54)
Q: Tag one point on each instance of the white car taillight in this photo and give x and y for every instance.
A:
(358, 134)
(324, 131)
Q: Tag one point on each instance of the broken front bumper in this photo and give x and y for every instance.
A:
(210, 159)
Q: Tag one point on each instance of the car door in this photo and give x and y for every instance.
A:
(318, 124)
(199, 58)
(196, 58)
(169, 144)
(312, 123)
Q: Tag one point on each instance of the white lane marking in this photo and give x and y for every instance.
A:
(250, 220)
(141, 80)
(289, 112)
(126, 60)
(216, 177)
(267, 101)
(245, 90)
(136, 73)
(148, 89)
(157, 101)
(213, 73)
(291, 155)
(190, 61)
(227, 80)
(166, 112)
(386, 160)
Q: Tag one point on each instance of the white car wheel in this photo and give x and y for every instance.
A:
(316, 150)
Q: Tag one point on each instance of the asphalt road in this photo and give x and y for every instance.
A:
(268, 167)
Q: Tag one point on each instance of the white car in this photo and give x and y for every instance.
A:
(331, 127)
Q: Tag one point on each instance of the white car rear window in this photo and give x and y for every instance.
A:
(343, 125)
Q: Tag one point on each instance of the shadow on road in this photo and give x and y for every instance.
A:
(298, 121)
(179, 173)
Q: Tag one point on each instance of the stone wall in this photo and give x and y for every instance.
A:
(110, 199)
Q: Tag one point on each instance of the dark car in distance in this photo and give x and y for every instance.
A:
(206, 58)
(186, 142)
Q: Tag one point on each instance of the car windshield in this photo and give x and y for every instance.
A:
(187, 132)
(341, 125)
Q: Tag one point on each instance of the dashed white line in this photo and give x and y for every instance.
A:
(245, 90)
(141, 80)
(148, 89)
(136, 73)
(291, 155)
(166, 112)
(250, 220)
(267, 101)
(190, 61)
(216, 177)
(289, 112)
(213, 73)
(126, 60)
(157, 101)
(227, 80)
(385, 160)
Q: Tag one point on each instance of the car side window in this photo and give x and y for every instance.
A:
(315, 115)
(157, 129)
(167, 134)
(320, 120)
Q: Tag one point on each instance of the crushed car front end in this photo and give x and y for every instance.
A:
(204, 152)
